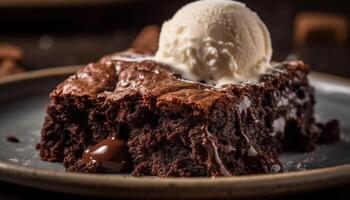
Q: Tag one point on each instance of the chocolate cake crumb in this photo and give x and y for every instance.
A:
(13, 139)
(330, 132)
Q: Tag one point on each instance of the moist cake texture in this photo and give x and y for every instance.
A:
(151, 121)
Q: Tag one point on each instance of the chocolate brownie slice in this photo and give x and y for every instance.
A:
(169, 126)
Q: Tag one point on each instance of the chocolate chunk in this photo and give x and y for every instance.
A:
(13, 139)
(111, 153)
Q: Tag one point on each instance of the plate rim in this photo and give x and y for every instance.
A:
(119, 186)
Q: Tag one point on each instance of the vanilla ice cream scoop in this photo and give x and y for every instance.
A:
(216, 41)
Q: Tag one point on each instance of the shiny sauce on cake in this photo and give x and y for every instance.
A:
(111, 153)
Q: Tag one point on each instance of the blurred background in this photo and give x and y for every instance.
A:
(37, 34)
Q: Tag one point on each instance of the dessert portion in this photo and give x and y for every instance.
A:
(166, 126)
(208, 103)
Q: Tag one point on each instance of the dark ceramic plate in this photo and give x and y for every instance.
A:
(23, 99)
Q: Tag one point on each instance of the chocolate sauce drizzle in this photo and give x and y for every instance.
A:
(212, 151)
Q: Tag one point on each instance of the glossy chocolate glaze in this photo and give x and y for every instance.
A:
(111, 153)
(128, 71)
